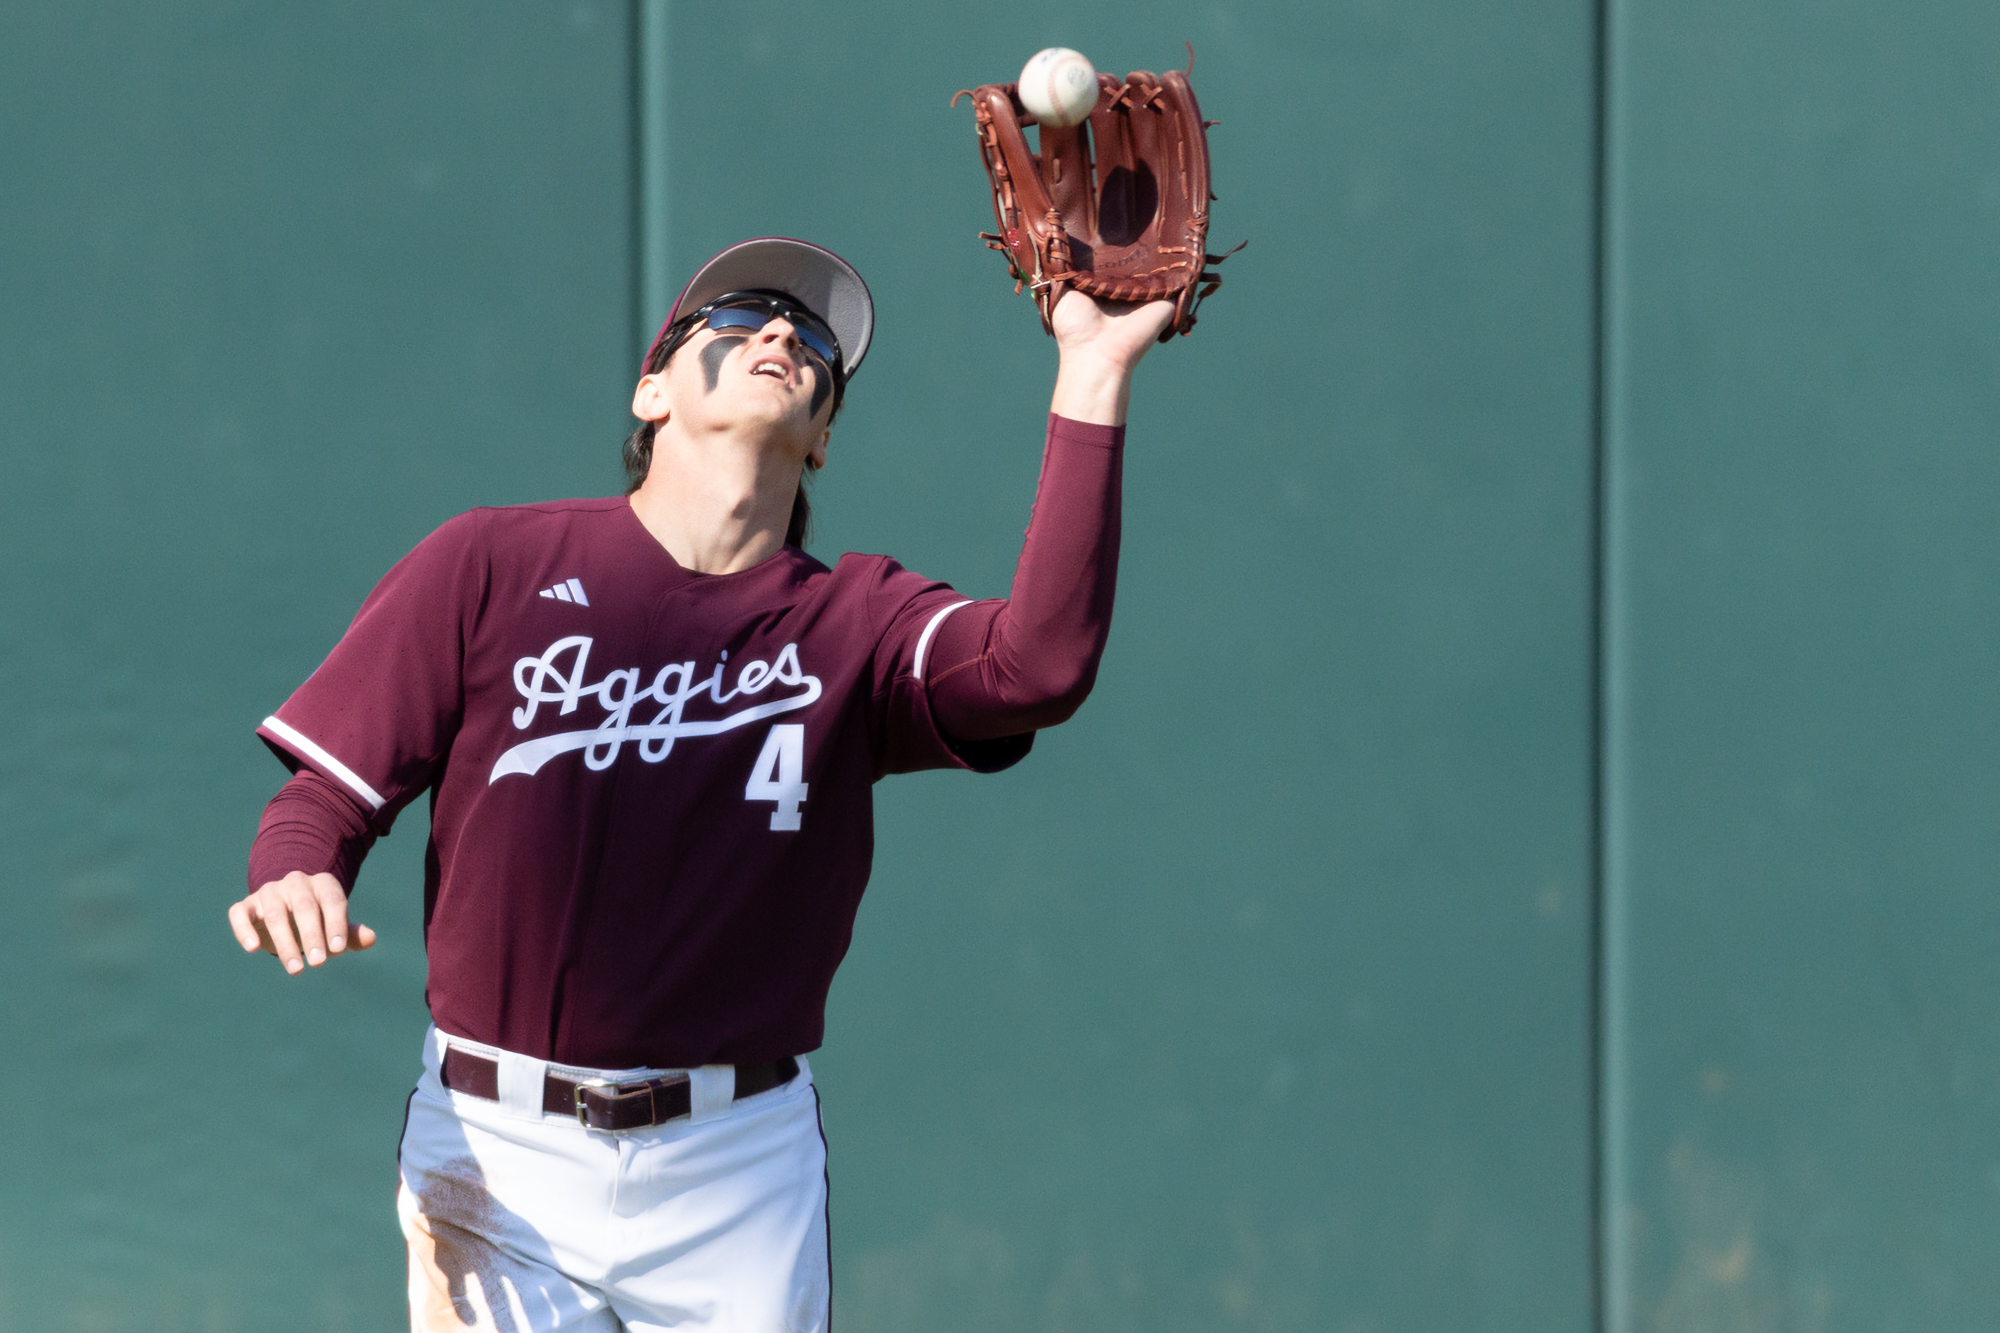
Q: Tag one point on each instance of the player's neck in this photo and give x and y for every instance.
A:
(718, 501)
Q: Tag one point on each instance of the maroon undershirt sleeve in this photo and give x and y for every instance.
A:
(313, 825)
(1002, 668)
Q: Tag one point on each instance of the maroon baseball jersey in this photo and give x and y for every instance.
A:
(651, 789)
(661, 773)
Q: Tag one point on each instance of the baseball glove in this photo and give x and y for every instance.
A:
(1116, 207)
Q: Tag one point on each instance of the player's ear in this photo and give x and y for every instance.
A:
(817, 454)
(649, 400)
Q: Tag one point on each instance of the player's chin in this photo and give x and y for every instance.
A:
(778, 396)
(789, 416)
(763, 401)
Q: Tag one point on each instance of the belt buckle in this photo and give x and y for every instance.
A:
(612, 1094)
(577, 1094)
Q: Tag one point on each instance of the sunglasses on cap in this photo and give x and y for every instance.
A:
(750, 311)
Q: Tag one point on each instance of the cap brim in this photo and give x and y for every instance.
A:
(812, 275)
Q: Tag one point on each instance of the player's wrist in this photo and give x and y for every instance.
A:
(1091, 389)
(1093, 401)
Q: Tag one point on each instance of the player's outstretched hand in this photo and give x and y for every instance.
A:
(1099, 343)
(1119, 331)
(301, 918)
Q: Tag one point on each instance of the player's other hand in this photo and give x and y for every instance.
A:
(302, 919)
(1120, 332)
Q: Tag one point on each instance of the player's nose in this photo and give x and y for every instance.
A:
(779, 330)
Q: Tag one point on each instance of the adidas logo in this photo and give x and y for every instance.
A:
(571, 591)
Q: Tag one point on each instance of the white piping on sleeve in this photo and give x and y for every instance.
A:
(305, 746)
(924, 639)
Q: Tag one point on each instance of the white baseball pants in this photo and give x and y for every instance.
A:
(519, 1220)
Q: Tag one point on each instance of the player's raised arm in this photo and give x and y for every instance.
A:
(1005, 668)
(1111, 269)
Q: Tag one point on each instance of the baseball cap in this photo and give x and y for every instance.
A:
(812, 275)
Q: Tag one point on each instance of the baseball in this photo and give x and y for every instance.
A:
(1058, 87)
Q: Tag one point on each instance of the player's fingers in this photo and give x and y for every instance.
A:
(1150, 316)
(242, 927)
(361, 937)
(304, 902)
(332, 910)
(275, 916)
(254, 908)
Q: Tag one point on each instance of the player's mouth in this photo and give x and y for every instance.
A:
(773, 366)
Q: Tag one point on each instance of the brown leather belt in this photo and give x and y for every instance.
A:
(612, 1106)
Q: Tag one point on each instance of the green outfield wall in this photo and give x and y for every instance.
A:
(1803, 561)
(1525, 866)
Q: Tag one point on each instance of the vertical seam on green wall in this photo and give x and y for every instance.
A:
(1611, 1260)
(635, 166)
(651, 292)
(1600, 1205)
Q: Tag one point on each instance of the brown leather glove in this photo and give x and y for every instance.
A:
(1116, 207)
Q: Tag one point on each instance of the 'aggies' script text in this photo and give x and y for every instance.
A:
(542, 680)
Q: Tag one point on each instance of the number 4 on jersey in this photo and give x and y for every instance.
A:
(779, 774)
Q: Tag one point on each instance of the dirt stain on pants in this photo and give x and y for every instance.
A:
(459, 1279)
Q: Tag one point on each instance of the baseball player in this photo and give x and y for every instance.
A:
(649, 727)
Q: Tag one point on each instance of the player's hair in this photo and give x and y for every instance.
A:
(638, 450)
